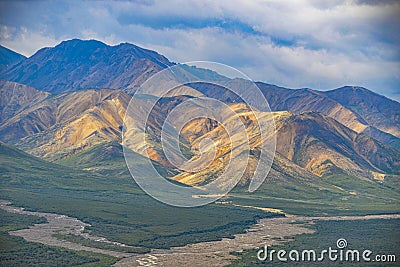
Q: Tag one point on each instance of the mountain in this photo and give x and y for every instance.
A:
(17, 97)
(9, 57)
(308, 145)
(367, 112)
(303, 100)
(45, 124)
(65, 153)
(82, 119)
(377, 116)
(384, 137)
(86, 64)
(55, 126)
(58, 126)
(319, 143)
(376, 110)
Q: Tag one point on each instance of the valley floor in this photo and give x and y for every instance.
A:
(268, 231)
(44, 233)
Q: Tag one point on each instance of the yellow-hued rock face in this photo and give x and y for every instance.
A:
(308, 144)
(76, 122)
(311, 141)
(378, 176)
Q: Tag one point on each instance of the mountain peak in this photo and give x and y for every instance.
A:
(355, 92)
(78, 42)
(352, 89)
(376, 110)
(86, 64)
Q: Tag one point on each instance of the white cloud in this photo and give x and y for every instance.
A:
(24, 41)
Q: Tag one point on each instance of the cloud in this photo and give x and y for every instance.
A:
(302, 43)
(24, 41)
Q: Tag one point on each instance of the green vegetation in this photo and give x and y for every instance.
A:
(15, 251)
(12, 221)
(380, 236)
(113, 204)
(337, 194)
(108, 159)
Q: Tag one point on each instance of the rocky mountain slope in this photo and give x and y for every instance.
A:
(61, 124)
(377, 117)
(321, 144)
(9, 57)
(305, 142)
(378, 111)
(16, 97)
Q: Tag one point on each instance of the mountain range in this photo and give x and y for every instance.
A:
(65, 101)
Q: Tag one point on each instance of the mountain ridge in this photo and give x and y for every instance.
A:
(302, 100)
(86, 64)
(9, 57)
(375, 109)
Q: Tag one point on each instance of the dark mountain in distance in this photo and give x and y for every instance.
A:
(378, 111)
(9, 57)
(86, 64)
(377, 117)
(319, 143)
(358, 108)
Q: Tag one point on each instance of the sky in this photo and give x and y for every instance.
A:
(297, 44)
